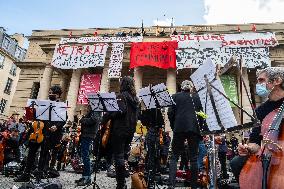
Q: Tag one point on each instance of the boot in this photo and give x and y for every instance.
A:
(120, 177)
(25, 177)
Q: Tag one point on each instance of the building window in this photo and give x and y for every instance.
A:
(13, 70)
(2, 105)
(18, 52)
(35, 90)
(8, 87)
(2, 58)
(6, 43)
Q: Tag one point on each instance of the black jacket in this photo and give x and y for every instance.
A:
(183, 116)
(152, 118)
(90, 124)
(124, 122)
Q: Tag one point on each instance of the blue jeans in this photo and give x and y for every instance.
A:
(202, 154)
(85, 150)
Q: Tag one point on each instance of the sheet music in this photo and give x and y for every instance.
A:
(223, 107)
(42, 111)
(144, 95)
(58, 110)
(162, 95)
(109, 100)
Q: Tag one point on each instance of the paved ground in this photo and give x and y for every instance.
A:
(67, 179)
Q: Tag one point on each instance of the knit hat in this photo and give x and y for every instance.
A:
(186, 85)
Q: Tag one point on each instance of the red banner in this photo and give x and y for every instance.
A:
(90, 83)
(157, 54)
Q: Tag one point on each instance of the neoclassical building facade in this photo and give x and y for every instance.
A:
(37, 74)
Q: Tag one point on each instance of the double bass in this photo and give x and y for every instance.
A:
(265, 170)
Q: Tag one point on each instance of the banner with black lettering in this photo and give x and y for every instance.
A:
(193, 58)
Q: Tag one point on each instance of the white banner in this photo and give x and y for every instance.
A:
(115, 63)
(252, 57)
(226, 40)
(126, 39)
(79, 56)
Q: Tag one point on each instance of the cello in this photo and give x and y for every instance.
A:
(265, 170)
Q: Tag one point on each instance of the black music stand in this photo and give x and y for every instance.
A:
(101, 102)
(48, 111)
(207, 85)
(155, 97)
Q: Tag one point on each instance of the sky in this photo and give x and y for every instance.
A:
(23, 16)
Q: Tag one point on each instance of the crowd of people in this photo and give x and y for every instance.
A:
(64, 142)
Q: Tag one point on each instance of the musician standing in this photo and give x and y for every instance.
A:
(185, 126)
(89, 128)
(270, 83)
(123, 127)
(52, 132)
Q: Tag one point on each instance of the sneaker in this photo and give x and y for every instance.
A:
(84, 182)
(23, 178)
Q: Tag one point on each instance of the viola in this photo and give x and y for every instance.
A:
(265, 169)
(161, 137)
(106, 134)
(37, 135)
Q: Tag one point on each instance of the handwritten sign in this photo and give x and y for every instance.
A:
(193, 58)
(90, 83)
(126, 39)
(226, 40)
(224, 110)
(157, 54)
(116, 58)
(79, 56)
(230, 86)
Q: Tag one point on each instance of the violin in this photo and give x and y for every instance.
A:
(265, 169)
(37, 135)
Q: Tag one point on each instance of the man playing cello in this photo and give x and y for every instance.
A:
(270, 83)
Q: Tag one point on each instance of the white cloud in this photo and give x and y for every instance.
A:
(166, 22)
(243, 11)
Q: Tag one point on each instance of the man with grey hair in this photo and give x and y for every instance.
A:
(185, 126)
(270, 83)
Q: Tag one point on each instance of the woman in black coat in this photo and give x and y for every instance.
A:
(123, 126)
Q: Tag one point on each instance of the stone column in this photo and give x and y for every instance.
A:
(171, 81)
(138, 76)
(171, 86)
(45, 82)
(104, 81)
(63, 84)
(73, 93)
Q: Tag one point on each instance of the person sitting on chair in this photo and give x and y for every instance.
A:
(270, 84)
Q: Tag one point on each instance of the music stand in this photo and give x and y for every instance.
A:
(157, 97)
(101, 102)
(221, 117)
(47, 110)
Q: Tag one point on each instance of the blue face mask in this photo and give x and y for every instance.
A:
(261, 90)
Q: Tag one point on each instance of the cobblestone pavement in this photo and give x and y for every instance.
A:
(67, 179)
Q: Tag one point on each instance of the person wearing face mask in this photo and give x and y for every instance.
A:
(270, 84)
(52, 132)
